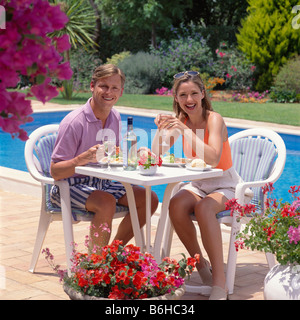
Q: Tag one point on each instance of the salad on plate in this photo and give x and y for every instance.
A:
(171, 161)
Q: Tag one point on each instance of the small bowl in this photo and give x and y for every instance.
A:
(149, 171)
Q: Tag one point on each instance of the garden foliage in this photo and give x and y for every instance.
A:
(268, 38)
(83, 64)
(142, 72)
(187, 50)
(287, 83)
(233, 66)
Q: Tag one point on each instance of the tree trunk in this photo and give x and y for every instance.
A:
(153, 36)
(97, 35)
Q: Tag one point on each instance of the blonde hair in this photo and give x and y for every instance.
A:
(206, 104)
(107, 70)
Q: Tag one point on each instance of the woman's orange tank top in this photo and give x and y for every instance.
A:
(225, 162)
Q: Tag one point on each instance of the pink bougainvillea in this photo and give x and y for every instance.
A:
(26, 49)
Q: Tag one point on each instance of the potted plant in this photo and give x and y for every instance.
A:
(148, 162)
(277, 231)
(123, 272)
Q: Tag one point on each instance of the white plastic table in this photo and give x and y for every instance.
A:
(164, 175)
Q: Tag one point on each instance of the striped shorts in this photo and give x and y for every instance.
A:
(82, 187)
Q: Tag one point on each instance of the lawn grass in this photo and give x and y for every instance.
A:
(281, 113)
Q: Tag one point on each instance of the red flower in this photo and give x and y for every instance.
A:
(106, 278)
(268, 188)
(138, 280)
(270, 231)
(294, 189)
(82, 282)
(285, 211)
(115, 293)
(197, 257)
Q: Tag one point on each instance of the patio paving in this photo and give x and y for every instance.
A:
(18, 225)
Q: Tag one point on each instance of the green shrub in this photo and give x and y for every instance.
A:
(187, 50)
(83, 64)
(233, 66)
(288, 77)
(283, 96)
(267, 37)
(142, 73)
(287, 82)
(118, 57)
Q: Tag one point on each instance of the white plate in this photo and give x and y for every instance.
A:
(208, 167)
(112, 163)
(167, 164)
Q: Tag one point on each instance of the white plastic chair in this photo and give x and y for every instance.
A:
(38, 150)
(259, 157)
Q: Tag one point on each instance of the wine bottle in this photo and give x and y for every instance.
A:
(130, 147)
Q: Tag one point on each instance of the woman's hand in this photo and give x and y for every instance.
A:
(168, 122)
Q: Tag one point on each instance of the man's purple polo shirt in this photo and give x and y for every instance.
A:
(81, 130)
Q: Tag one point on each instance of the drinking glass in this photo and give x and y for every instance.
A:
(109, 146)
(163, 116)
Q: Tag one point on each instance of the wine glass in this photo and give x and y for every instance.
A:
(109, 146)
(164, 116)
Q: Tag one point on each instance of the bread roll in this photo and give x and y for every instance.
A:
(198, 163)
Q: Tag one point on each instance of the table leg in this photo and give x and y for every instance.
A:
(148, 218)
(137, 231)
(162, 221)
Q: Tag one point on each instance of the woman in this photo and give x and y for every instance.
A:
(194, 120)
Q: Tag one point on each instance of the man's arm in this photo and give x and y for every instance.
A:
(65, 169)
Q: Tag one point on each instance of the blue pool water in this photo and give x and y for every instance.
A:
(12, 150)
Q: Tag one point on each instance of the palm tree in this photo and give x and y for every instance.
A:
(81, 24)
(80, 28)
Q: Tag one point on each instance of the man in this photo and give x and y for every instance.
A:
(78, 144)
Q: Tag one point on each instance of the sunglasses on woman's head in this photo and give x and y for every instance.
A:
(185, 73)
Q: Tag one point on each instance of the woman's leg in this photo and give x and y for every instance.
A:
(181, 207)
(205, 212)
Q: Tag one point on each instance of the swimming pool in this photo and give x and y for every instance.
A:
(12, 150)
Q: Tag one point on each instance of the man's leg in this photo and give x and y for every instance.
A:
(103, 205)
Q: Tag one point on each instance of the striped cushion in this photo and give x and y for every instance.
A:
(253, 159)
(44, 150)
